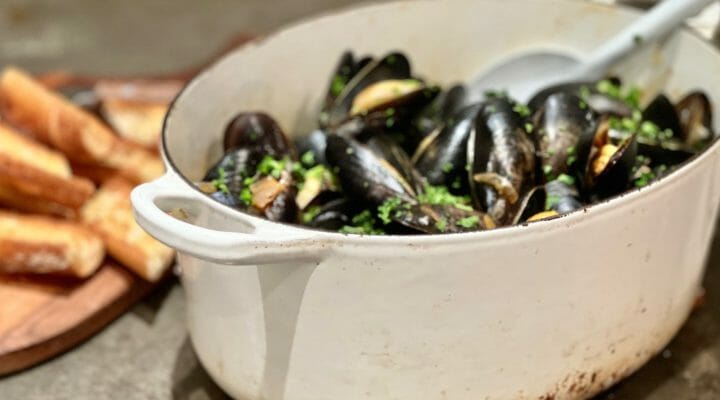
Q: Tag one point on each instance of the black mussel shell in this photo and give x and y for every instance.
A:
(314, 143)
(660, 155)
(435, 219)
(587, 91)
(259, 133)
(614, 177)
(343, 73)
(235, 165)
(441, 109)
(556, 197)
(661, 112)
(364, 174)
(283, 208)
(502, 159)
(392, 66)
(442, 157)
(565, 128)
(391, 152)
(695, 114)
(335, 214)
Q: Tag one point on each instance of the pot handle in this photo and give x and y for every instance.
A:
(266, 244)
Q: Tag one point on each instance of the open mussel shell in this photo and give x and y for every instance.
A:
(552, 199)
(388, 150)
(442, 156)
(610, 165)
(234, 165)
(565, 128)
(662, 113)
(258, 133)
(365, 174)
(394, 66)
(501, 159)
(343, 73)
(695, 114)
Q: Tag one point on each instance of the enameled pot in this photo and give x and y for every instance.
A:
(557, 309)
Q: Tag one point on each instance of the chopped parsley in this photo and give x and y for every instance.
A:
(650, 131)
(528, 127)
(496, 94)
(447, 167)
(221, 182)
(388, 208)
(631, 97)
(390, 112)
(308, 158)
(547, 169)
(521, 109)
(246, 196)
(584, 93)
(456, 184)
(363, 224)
(645, 178)
(441, 224)
(566, 179)
(310, 213)
(551, 201)
(270, 166)
(439, 195)
(468, 222)
(338, 84)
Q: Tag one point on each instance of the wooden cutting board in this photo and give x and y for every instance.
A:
(41, 318)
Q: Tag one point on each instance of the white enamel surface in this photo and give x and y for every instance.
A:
(561, 308)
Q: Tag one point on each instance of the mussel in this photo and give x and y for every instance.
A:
(501, 158)
(555, 198)
(254, 174)
(695, 114)
(565, 128)
(610, 164)
(442, 157)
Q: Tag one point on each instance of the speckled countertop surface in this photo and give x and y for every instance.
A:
(146, 354)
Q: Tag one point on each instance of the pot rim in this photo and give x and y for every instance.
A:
(499, 233)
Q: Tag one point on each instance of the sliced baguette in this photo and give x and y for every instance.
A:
(138, 122)
(109, 213)
(43, 245)
(12, 198)
(78, 134)
(53, 119)
(29, 168)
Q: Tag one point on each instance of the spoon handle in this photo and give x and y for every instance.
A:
(653, 25)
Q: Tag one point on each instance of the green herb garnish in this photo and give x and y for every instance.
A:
(221, 182)
(338, 84)
(310, 213)
(270, 166)
(566, 179)
(468, 222)
(363, 224)
(528, 127)
(441, 224)
(308, 158)
(551, 201)
(439, 195)
(387, 209)
(447, 167)
(521, 109)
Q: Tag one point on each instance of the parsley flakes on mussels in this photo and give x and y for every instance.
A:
(394, 154)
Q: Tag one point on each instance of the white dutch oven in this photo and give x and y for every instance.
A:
(558, 309)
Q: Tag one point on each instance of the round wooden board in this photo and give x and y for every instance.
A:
(41, 318)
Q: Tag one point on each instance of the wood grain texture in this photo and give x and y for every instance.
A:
(41, 318)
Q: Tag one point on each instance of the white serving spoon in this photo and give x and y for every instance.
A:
(524, 74)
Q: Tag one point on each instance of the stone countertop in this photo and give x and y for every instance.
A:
(146, 354)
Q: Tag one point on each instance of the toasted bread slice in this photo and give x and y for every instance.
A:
(134, 162)
(138, 122)
(43, 245)
(109, 213)
(52, 119)
(12, 198)
(77, 133)
(29, 168)
(96, 174)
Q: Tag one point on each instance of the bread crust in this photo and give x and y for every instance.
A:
(109, 213)
(44, 245)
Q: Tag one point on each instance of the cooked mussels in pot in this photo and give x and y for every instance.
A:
(393, 153)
